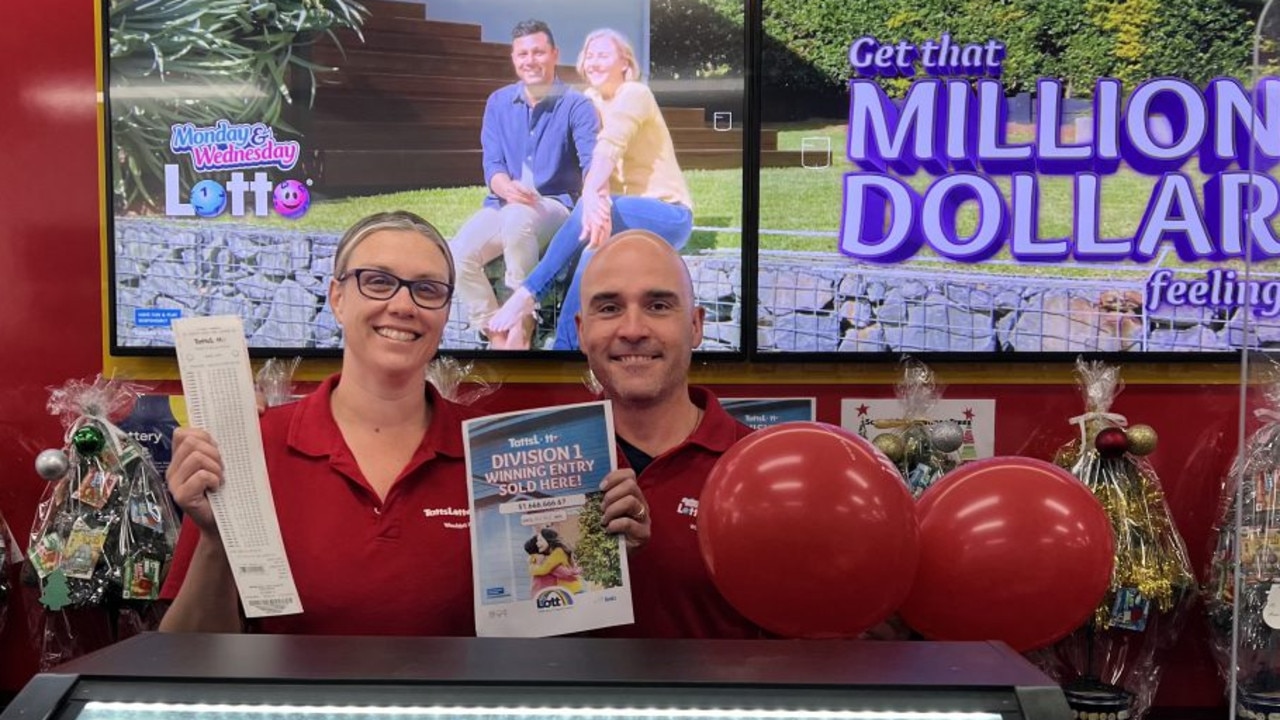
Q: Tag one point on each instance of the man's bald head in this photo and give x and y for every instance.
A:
(640, 241)
(639, 321)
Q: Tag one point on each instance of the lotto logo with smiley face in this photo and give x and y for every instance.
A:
(208, 198)
(291, 199)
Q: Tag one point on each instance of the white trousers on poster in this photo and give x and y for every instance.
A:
(518, 233)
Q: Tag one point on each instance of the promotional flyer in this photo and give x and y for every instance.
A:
(542, 562)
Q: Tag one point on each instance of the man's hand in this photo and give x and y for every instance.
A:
(514, 191)
(625, 510)
(195, 468)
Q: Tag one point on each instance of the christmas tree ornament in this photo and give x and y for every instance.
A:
(1111, 442)
(52, 464)
(105, 528)
(55, 595)
(891, 445)
(88, 440)
(947, 436)
(921, 459)
(1113, 663)
(1142, 439)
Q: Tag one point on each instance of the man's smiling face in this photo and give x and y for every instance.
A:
(534, 59)
(639, 322)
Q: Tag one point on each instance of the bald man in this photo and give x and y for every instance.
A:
(638, 327)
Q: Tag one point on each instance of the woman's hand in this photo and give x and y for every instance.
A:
(597, 220)
(624, 507)
(195, 469)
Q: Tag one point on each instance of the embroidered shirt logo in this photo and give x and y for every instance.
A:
(450, 512)
(688, 506)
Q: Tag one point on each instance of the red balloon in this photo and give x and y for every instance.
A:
(1011, 549)
(808, 531)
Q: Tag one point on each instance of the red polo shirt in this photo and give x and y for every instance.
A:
(363, 566)
(671, 590)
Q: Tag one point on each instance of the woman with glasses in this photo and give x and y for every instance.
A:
(367, 472)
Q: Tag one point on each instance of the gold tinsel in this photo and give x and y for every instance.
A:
(1067, 456)
(1149, 556)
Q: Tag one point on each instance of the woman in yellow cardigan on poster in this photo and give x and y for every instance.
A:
(551, 563)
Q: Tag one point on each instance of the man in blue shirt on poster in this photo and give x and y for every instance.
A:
(537, 139)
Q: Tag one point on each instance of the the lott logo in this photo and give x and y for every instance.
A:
(234, 147)
(554, 599)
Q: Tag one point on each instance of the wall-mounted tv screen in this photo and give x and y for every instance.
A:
(244, 138)
(1015, 177)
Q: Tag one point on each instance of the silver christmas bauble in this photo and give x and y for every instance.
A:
(947, 436)
(52, 464)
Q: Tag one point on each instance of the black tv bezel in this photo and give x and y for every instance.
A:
(747, 350)
(750, 184)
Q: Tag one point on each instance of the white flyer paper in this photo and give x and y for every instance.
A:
(213, 359)
(542, 563)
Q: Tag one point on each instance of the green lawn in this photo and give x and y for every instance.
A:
(717, 196)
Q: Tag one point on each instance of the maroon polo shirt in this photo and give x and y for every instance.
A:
(672, 592)
(363, 566)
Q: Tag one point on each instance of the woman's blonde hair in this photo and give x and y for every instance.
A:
(393, 220)
(625, 51)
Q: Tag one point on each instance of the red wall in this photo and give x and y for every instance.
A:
(50, 329)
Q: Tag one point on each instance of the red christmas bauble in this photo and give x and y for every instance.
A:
(1112, 442)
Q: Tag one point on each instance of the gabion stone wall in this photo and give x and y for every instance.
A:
(809, 302)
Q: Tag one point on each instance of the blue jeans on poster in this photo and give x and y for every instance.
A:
(672, 222)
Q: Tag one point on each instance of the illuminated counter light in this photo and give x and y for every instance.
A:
(180, 676)
(125, 710)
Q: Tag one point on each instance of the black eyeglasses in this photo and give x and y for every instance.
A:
(380, 285)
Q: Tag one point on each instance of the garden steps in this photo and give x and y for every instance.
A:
(364, 172)
(453, 133)
(403, 111)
